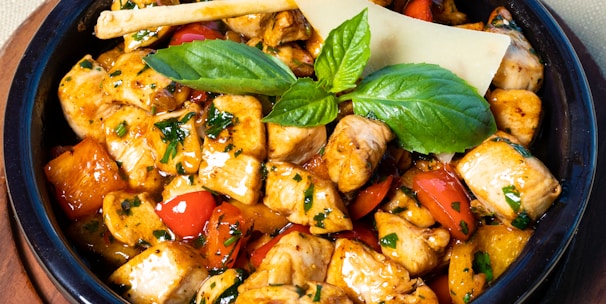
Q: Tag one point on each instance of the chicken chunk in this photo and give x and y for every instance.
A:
(234, 148)
(508, 181)
(132, 219)
(406, 206)
(221, 287)
(174, 140)
(82, 100)
(294, 144)
(312, 292)
(286, 26)
(521, 67)
(294, 260)
(131, 81)
(125, 133)
(169, 272)
(146, 37)
(366, 275)
(181, 184)
(299, 60)
(233, 123)
(305, 198)
(419, 250)
(354, 150)
(517, 112)
(251, 26)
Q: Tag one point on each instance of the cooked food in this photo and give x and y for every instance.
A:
(258, 159)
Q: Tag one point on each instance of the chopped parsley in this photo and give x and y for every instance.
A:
(464, 227)
(481, 264)
(512, 197)
(456, 206)
(86, 64)
(217, 121)
(389, 240)
(318, 293)
(127, 205)
(173, 134)
(320, 217)
(521, 221)
(162, 235)
(121, 129)
(519, 148)
(308, 197)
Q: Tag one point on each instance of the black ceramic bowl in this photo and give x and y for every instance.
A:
(34, 123)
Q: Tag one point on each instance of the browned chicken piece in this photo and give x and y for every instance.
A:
(299, 60)
(251, 26)
(507, 180)
(286, 26)
(169, 272)
(312, 292)
(422, 295)
(146, 37)
(131, 81)
(131, 218)
(245, 134)
(305, 198)
(365, 275)
(263, 219)
(174, 140)
(181, 184)
(521, 67)
(354, 150)
(83, 102)
(294, 144)
(234, 148)
(446, 12)
(419, 250)
(126, 132)
(314, 44)
(214, 286)
(82, 176)
(403, 204)
(517, 112)
(295, 259)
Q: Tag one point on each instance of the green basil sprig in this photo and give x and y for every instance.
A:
(430, 109)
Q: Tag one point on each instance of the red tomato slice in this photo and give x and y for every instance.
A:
(257, 256)
(363, 233)
(419, 9)
(186, 214)
(194, 31)
(442, 193)
(369, 198)
(226, 231)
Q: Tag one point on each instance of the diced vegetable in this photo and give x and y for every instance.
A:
(419, 9)
(226, 231)
(194, 31)
(187, 213)
(82, 177)
(259, 254)
(443, 194)
(369, 198)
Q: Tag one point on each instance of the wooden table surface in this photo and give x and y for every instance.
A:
(580, 277)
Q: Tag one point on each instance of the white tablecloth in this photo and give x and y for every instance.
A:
(587, 18)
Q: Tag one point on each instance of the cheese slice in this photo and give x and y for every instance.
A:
(395, 38)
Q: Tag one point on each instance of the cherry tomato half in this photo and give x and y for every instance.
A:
(186, 214)
(194, 31)
(442, 193)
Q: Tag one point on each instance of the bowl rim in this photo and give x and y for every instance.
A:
(70, 274)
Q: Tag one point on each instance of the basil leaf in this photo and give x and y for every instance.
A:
(344, 54)
(429, 108)
(304, 105)
(223, 66)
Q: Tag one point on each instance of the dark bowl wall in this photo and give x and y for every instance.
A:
(34, 123)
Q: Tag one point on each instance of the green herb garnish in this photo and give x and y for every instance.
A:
(389, 240)
(429, 108)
